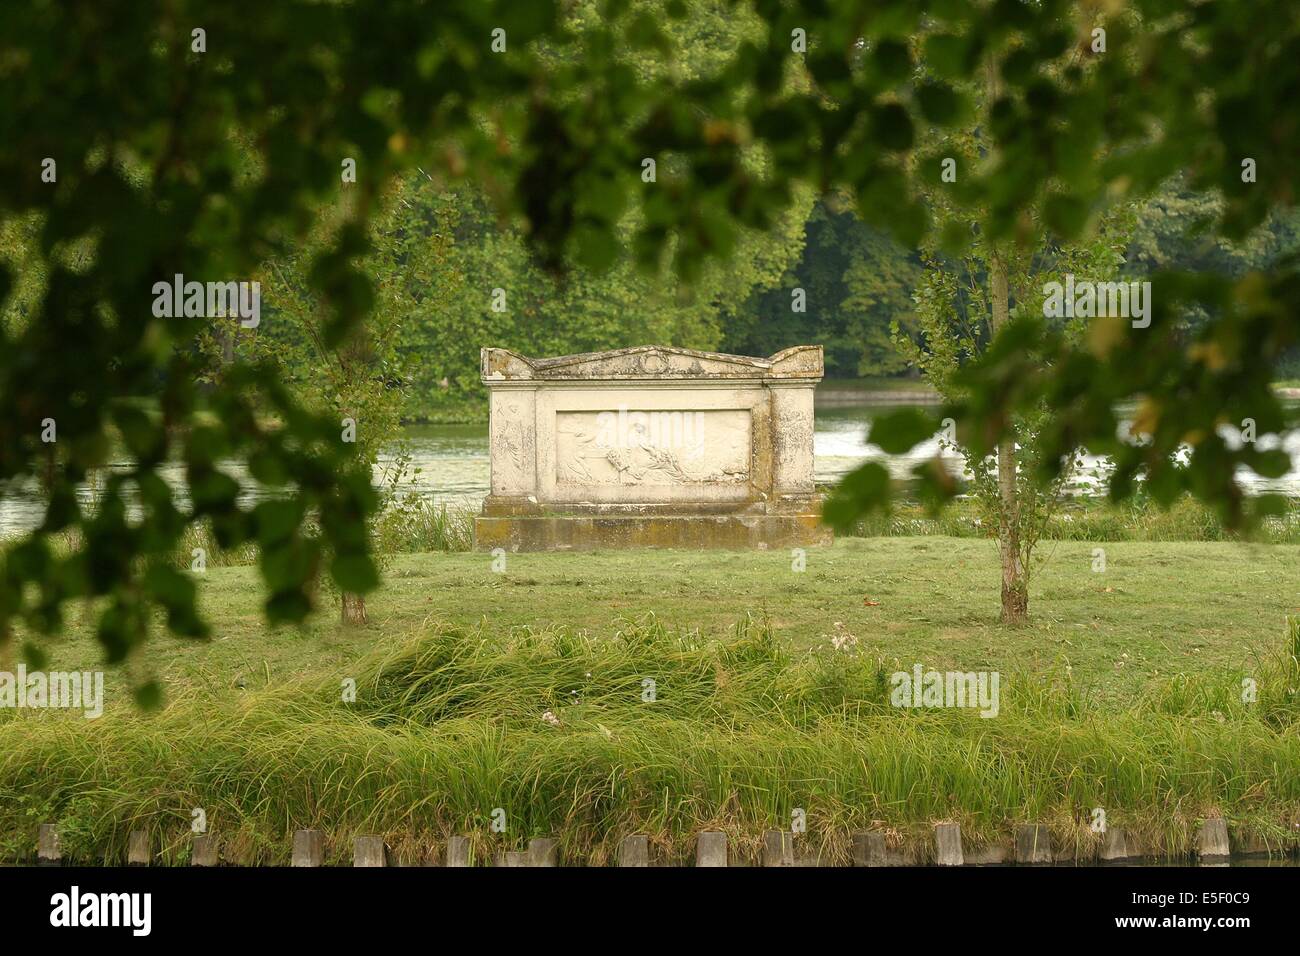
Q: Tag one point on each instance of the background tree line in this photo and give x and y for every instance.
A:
(449, 252)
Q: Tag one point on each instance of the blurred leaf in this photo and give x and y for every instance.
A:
(899, 431)
(149, 695)
(355, 574)
(861, 491)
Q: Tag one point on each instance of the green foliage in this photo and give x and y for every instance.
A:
(856, 281)
(209, 164)
(577, 311)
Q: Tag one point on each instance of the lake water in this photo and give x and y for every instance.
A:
(449, 463)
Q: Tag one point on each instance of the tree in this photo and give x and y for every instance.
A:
(362, 382)
(966, 300)
(1173, 233)
(854, 281)
(956, 300)
(508, 298)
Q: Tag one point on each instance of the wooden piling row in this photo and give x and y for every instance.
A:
(1032, 847)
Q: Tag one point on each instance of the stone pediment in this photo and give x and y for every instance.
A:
(651, 362)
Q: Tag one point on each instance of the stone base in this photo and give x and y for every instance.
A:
(591, 532)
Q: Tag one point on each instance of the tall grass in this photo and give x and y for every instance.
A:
(451, 726)
(416, 524)
(1087, 519)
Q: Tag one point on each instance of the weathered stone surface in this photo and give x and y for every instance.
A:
(556, 533)
(651, 447)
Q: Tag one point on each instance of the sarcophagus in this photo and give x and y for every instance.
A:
(651, 447)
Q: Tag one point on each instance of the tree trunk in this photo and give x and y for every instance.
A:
(354, 609)
(1015, 583)
(51, 469)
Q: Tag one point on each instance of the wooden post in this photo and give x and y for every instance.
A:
(1114, 845)
(1212, 842)
(48, 851)
(369, 851)
(778, 848)
(543, 851)
(205, 851)
(634, 850)
(1033, 844)
(137, 849)
(458, 851)
(308, 848)
(869, 849)
(711, 848)
(947, 844)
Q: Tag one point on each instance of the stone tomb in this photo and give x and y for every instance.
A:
(651, 447)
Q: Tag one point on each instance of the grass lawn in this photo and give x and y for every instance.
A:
(1157, 610)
